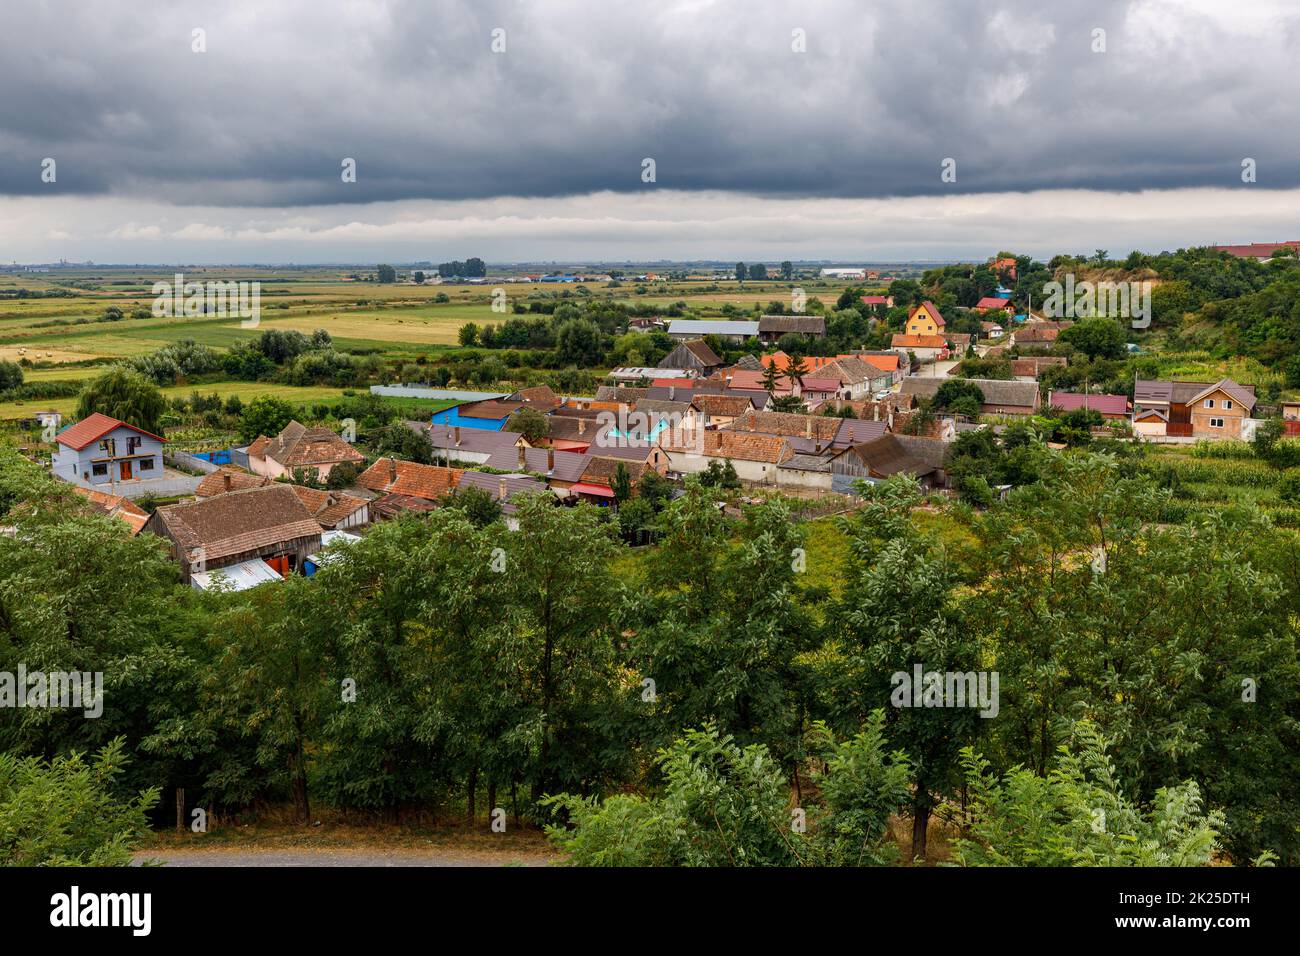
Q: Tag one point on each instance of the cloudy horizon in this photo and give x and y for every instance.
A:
(777, 131)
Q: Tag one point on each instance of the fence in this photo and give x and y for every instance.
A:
(183, 459)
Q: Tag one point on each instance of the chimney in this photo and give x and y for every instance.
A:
(807, 427)
(582, 425)
(672, 392)
(523, 459)
(457, 436)
(550, 460)
(226, 476)
(392, 469)
(502, 488)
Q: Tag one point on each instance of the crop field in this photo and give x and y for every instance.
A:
(64, 337)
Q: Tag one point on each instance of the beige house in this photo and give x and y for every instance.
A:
(298, 447)
(1220, 410)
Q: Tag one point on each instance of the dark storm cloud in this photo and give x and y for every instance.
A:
(712, 91)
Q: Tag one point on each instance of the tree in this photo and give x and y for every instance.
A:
(788, 403)
(418, 277)
(758, 271)
(621, 484)
(898, 609)
(741, 272)
(959, 396)
(771, 378)
(795, 370)
(264, 415)
(477, 504)
(385, 273)
(400, 441)
(125, 395)
(530, 423)
(787, 269)
(11, 376)
(467, 335)
(1096, 337)
(578, 342)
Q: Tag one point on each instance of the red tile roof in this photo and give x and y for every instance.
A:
(94, 427)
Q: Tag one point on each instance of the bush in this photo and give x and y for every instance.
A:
(65, 812)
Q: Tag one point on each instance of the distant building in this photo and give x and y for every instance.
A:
(728, 330)
(1259, 250)
(772, 327)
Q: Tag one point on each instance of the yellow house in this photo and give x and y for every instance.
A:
(924, 319)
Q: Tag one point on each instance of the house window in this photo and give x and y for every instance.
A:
(108, 446)
(1216, 422)
(1227, 404)
(99, 469)
(1209, 403)
(146, 464)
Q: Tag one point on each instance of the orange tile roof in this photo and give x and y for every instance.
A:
(901, 341)
(225, 479)
(115, 506)
(391, 476)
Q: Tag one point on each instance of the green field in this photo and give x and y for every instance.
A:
(60, 339)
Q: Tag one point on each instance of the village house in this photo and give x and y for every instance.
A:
(116, 506)
(927, 348)
(924, 319)
(401, 486)
(808, 432)
(269, 525)
(878, 301)
(991, 330)
(1192, 409)
(754, 456)
(893, 454)
(502, 489)
(992, 304)
(561, 470)
(728, 330)
(489, 414)
(474, 446)
(298, 448)
(1028, 369)
(772, 327)
(1110, 407)
(103, 453)
(813, 387)
(1001, 397)
(694, 357)
(715, 411)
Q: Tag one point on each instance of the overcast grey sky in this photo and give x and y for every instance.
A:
(761, 149)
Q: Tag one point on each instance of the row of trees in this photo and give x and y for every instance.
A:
(440, 661)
